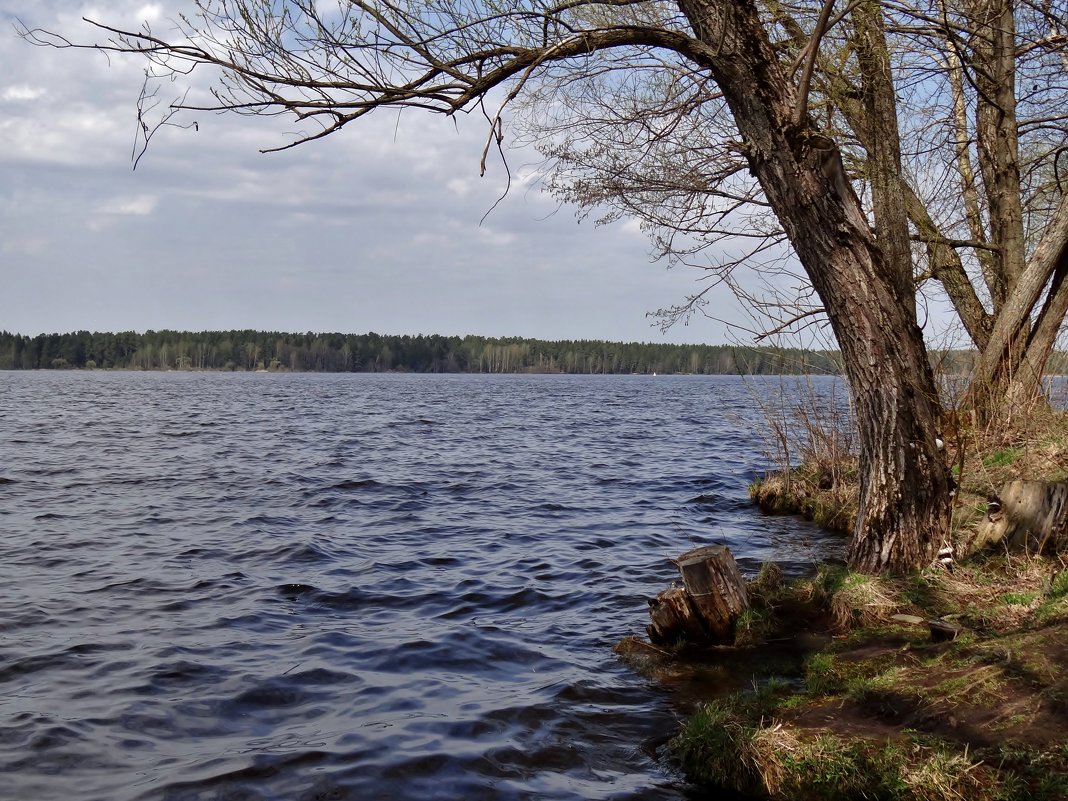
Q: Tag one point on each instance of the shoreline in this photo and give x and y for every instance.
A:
(873, 701)
(864, 702)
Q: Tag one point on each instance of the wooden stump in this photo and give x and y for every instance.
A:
(1026, 514)
(716, 587)
(708, 604)
(674, 618)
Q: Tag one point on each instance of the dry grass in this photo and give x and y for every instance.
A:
(817, 463)
(863, 601)
(767, 752)
(945, 776)
(817, 434)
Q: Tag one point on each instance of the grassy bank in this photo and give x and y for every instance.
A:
(871, 703)
(823, 487)
(879, 709)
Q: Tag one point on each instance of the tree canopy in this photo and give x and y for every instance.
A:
(371, 352)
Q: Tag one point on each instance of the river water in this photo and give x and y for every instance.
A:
(296, 586)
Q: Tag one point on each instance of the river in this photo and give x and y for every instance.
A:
(304, 586)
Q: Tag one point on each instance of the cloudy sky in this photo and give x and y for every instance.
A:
(376, 228)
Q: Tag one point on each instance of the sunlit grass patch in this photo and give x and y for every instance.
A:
(941, 775)
(862, 600)
(1002, 458)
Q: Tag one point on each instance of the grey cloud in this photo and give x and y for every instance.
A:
(375, 228)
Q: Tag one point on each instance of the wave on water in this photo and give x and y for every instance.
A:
(354, 586)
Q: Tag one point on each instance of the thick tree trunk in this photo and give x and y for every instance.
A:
(1027, 385)
(904, 482)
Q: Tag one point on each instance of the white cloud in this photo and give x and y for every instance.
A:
(74, 138)
(632, 227)
(21, 93)
(149, 13)
(495, 238)
(459, 186)
(381, 222)
(139, 206)
(25, 247)
(112, 211)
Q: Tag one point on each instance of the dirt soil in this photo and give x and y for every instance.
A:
(1005, 689)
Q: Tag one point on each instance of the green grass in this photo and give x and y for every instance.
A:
(1002, 458)
(1058, 586)
(821, 677)
(1019, 598)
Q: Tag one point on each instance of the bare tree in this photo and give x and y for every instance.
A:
(727, 123)
(952, 129)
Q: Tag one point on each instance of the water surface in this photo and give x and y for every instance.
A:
(302, 586)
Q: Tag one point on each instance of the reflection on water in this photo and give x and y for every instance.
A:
(354, 586)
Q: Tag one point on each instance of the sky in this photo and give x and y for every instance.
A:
(377, 228)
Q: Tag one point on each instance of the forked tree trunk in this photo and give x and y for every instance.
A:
(868, 295)
(1000, 383)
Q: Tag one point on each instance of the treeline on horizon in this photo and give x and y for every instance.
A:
(371, 352)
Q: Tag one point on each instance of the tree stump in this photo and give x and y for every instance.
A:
(707, 606)
(674, 618)
(1028, 514)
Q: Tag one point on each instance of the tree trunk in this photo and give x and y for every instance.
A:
(904, 481)
(1027, 383)
(991, 391)
(997, 138)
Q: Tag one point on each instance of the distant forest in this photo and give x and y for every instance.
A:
(342, 353)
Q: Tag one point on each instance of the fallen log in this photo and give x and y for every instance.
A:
(705, 608)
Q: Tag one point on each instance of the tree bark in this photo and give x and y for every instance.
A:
(997, 138)
(969, 192)
(1027, 381)
(884, 148)
(904, 482)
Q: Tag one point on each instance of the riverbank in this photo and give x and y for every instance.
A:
(876, 707)
(873, 702)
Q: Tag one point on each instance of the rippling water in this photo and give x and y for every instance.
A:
(249, 586)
